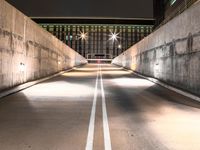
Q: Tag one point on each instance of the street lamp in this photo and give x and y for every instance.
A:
(83, 35)
(119, 46)
(113, 36)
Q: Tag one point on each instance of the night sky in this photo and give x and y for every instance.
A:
(85, 8)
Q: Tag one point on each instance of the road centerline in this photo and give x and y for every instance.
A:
(90, 137)
(106, 131)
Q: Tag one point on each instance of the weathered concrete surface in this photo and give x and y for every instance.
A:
(171, 53)
(27, 52)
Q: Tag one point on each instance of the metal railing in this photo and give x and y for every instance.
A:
(182, 6)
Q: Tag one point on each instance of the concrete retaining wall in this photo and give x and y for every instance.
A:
(27, 52)
(171, 53)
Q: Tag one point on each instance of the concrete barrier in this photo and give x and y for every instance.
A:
(28, 52)
(171, 53)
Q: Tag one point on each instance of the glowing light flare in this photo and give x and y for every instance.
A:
(119, 46)
(132, 82)
(133, 66)
(83, 35)
(113, 36)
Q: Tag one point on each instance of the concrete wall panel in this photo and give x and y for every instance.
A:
(28, 52)
(171, 53)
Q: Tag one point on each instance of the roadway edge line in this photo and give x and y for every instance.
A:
(90, 136)
(106, 131)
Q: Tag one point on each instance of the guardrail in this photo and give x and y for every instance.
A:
(99, 60)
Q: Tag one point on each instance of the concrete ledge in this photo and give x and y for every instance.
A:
(182, 92)
(29, 84)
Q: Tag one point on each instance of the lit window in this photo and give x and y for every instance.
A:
(69, 37)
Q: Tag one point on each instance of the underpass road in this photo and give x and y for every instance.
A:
(64, 113)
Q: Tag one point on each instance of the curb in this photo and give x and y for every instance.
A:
(187, 94)
(194, 97)
(29, 84)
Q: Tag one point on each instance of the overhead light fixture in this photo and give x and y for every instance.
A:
(113, 36)
(82, 35)
(119, 46)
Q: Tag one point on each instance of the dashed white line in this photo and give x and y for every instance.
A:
(90, 138)
(106, 131)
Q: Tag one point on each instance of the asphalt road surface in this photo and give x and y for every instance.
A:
(99, 107)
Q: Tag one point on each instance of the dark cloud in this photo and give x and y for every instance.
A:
(86, 8)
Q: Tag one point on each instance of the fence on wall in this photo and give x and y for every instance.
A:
(181, 6)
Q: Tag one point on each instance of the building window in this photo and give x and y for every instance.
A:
(98, 37)
(69, 38)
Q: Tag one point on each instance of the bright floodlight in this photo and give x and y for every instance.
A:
(114, 36)
(119, 46)
(83, 35)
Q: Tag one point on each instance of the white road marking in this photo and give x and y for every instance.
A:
(106, 131)
(90, 138)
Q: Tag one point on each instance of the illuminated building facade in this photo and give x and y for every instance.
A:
(98, 40)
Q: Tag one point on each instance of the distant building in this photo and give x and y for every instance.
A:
(98, 38)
